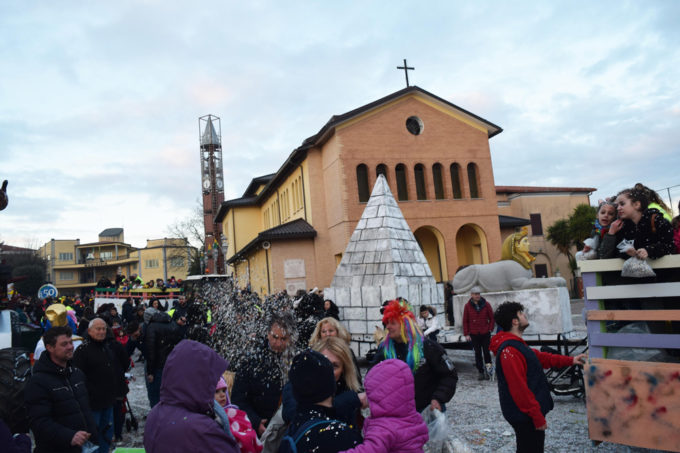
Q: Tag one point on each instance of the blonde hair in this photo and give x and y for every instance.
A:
(341, 350)
(342, 332)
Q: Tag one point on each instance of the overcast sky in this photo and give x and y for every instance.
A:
(99, 101)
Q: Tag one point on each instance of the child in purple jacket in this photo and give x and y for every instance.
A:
(394, 424)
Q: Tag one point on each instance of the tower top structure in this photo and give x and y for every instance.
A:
(210, 136)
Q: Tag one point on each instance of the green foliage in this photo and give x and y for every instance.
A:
(572, 231)
(34, 278)
(581, 223)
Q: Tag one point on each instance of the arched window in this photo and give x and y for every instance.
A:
(455, 181)
(437, 181)
(362, 182)
(473, 179)
(402, 189)
(381, 169)
(419, 172)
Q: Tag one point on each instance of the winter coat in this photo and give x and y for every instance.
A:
(97, 361)
(435, 378)
(58, 407)
(258, 384)
(10, 444)
(523, 389)
(429, 325)
(128, 311)
(477, 319)
(326, 437)
(184, 421)
(161, 336)
(394, 425)
(346, 404)
(652, 232)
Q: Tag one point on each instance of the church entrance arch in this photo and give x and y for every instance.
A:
(471, 245)
(431, 242)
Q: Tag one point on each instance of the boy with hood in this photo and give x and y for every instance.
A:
(523, 389)
(184, 419)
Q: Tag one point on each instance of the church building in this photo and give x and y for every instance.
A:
(289, 230)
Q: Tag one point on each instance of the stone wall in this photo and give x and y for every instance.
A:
(360, 307)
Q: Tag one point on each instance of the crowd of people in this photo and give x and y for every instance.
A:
(227, 370)
(123, 283)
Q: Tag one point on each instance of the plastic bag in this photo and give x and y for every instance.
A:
(436, 427)
(591, 244)
(624, 245)
(635, 267)
(440, 434)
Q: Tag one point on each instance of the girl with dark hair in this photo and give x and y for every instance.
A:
(651, 232)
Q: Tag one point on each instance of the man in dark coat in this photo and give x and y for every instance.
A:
(162, 334)
(96, 359)
(477, 326)
(315, 426)
(57, 400)
(523, 389)
(434, 374)
(260, 379)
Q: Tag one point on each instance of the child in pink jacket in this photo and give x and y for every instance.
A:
(394, 425)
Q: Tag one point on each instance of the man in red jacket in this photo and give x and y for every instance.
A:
(523, 389)
(477, 327)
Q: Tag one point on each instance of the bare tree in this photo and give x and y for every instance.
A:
(191, 229)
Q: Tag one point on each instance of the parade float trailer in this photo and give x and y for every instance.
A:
(633, 374)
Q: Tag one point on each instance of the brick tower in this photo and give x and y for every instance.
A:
(212, 183)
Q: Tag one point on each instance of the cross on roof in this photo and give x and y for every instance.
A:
(406, 68)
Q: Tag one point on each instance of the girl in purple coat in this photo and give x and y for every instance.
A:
(184, 420)
(394, 425)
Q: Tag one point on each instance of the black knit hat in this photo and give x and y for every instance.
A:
(311, 376)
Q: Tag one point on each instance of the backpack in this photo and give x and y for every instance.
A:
(289, 441)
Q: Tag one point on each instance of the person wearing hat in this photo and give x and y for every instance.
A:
(56, 316)
(315, 427)
(434, 374)
(477, 326)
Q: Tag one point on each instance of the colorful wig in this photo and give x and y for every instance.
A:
(401, 311)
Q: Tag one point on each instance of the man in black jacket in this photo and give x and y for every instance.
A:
(259, 380)
(162, 334)
(96, 359)
(57, 399)
(434, 374)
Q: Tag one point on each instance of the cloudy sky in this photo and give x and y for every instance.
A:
(99, 101)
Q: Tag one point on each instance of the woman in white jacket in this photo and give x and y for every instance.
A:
(428, 323)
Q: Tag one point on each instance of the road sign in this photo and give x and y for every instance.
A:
(48, 290)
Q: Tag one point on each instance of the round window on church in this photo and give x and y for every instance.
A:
(414, 125)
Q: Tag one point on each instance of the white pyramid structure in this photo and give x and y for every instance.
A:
(382, 261)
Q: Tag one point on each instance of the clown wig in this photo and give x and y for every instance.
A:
(401, 311)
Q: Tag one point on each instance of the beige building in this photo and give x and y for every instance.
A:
(542, 206)
(290, 229)
(75, 268)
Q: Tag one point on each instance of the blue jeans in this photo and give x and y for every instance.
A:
(104, 420)
(153, 389)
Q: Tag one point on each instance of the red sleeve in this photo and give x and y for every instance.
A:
(553, 360)
(466, 320)
(515, 371)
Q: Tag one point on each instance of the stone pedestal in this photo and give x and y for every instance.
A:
(548, 309)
